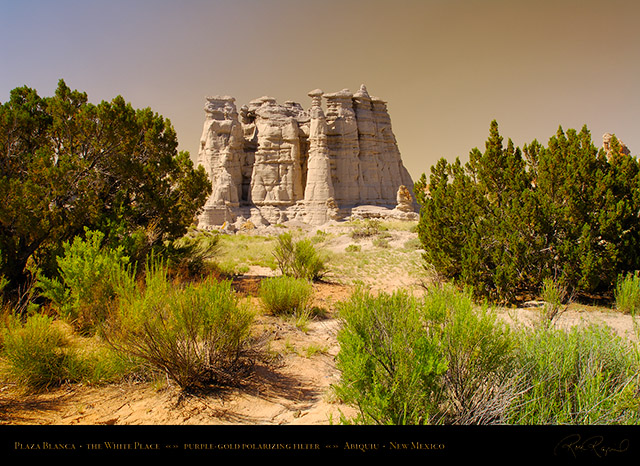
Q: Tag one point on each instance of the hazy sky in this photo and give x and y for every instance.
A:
(446, 67)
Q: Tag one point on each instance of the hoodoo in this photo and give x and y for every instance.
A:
(271, 163)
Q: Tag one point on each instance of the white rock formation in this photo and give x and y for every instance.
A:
(271, 163)
(222, 154)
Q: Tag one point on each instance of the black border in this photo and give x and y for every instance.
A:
(432, 443)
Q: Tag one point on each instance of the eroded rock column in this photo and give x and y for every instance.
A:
(277, 172)
(319, 188)
(389, 161)
(342, 140)
(221, 154)
(369, 154)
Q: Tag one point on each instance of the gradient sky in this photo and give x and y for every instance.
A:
(446, 67)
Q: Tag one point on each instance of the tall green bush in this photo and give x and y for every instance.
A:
(91, 277)
(36, 352)
(196, 334)
(391, 366)
(436, 359)
(42, 352)
(442, 360)
(285, 295)
(509, 218)
(627, 294)
(479, 383)
(190, 256)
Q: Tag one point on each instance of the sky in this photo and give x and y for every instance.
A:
(447, 68)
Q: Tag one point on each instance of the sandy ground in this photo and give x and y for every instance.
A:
(293, 390)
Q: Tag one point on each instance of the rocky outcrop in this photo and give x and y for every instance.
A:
(271, 163)
(606, 145)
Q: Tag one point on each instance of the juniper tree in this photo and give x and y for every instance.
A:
(509, 218)
(67, 164)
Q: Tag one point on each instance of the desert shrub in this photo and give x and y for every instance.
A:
(390, 365)
(554, 296)
(437, 359)
(285, 295)
(40, 354)
(587, 375)
(412, 244)
(298, 259)
(627, 294)
(4, 282)
(479, 384)
(353, 248)
(197, 334)
(367, 229)
(319, 237)
(35, 351)
(442, 360)
(382, 243)
(90, 279)
(509, 218)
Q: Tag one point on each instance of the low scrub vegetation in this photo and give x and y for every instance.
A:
(285, 295)
(41, 352)
(441, 360)
(437, 358)
(367, 228)
(627, 294)
(195, 333)
(162, 319)
(587, 375)
(298, 259)
(90, 278)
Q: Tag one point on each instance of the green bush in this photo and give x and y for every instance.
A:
(285, 295)
(36, 352)
(554, 296)
(442, 360)
(67, 164)
(298, 259)
(382, 243)
(353, 248)
(191, 255)
(3, 281)
(478, 385)
(91, 278)
(42, 353)
(197, 334)
(627, 294)
(509, 218)
(582, 376)
(391, 367)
